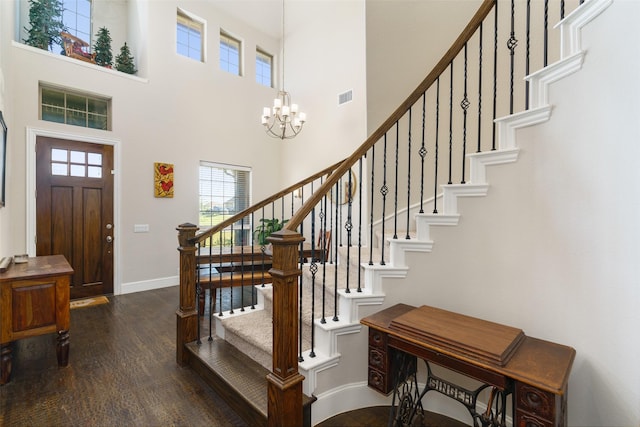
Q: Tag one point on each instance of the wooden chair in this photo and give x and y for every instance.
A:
(77, 48)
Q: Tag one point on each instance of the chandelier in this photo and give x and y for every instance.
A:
(284, 120)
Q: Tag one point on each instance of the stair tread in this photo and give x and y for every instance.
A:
(246, 377)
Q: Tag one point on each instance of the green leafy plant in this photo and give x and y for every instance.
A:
(124, 61)
(45, 23)
(102, 48)
(267, 227)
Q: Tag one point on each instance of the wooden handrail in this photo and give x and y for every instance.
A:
(431, 78)
(253, 208)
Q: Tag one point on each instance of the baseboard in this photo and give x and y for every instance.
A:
(148, 285)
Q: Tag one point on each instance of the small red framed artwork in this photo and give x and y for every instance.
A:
(163, 180)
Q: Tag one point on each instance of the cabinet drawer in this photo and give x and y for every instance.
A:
(377, 359)
(379, 381)
(377, 339)
(535, 401)
(527, 420)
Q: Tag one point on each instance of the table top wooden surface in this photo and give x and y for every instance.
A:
(542, 364)
(35, 267)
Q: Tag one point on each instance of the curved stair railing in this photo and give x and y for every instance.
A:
(397, 172)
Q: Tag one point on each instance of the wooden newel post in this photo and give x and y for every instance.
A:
(284, 381)
(187, 317)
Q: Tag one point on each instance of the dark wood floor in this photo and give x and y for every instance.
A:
(122, 372)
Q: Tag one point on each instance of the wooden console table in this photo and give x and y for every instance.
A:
(34, 300)
(534, 372)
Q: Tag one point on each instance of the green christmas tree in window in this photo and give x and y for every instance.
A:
(124, 61)
(102, 48)
(45, 23)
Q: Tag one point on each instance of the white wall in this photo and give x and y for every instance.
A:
(325, 56)
(553, 248)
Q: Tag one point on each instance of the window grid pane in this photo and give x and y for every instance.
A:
(264, 68)
(74, 109)
(223, 192)
(189, 37)
(229, 54)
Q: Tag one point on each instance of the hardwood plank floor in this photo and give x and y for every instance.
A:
(122, 372)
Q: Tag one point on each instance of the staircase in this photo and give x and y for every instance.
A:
(243, 348)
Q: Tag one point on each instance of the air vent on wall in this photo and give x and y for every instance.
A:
(345, 97)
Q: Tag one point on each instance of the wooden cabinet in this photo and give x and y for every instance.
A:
(34, 300)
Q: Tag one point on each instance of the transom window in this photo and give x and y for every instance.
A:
(224, 191)
(264, 68)
(75, 163)
(230, 54)
(190, 36)
(77, 109)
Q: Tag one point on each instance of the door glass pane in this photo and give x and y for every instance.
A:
(58, 155)
(59, 169)
(94, 159)
(94, 172)
(78, 170)
(78, 157)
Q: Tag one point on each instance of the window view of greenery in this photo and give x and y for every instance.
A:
(224, 191)
(189, 37)
(229, 54)
(74, 109)
(264, 63)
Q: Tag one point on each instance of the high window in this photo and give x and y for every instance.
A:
(264, 68)
(74, 108)
(77, 18)
(224, 191)
(230, 54)
(190, 36)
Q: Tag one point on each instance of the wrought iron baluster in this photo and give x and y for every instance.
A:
(300, 295)
(335, 275)
(465, 106)
(528, 54)
(495, 75)
(359, 224)
(241, 274)
(313, 268)
(511, 45)
(198, 293)
(233, 267)
(423, 151)
(324, 262)
(546, 32)
(395, 198)
(562, 9)
(348, 226)
(373, 167)
(220, 238)
(384, 190)
(435, 177)
(450, 122)
(407, 237)
(479, 149)
(253, 262)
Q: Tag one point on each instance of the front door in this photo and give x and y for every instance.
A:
(74, 210)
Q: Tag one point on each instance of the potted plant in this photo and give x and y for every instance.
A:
(102, 48)
(124, 61)
(267, 227)
(45, 23)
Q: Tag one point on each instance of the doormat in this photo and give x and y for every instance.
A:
(88, 302)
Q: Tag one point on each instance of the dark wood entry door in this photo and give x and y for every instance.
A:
(74, 210)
